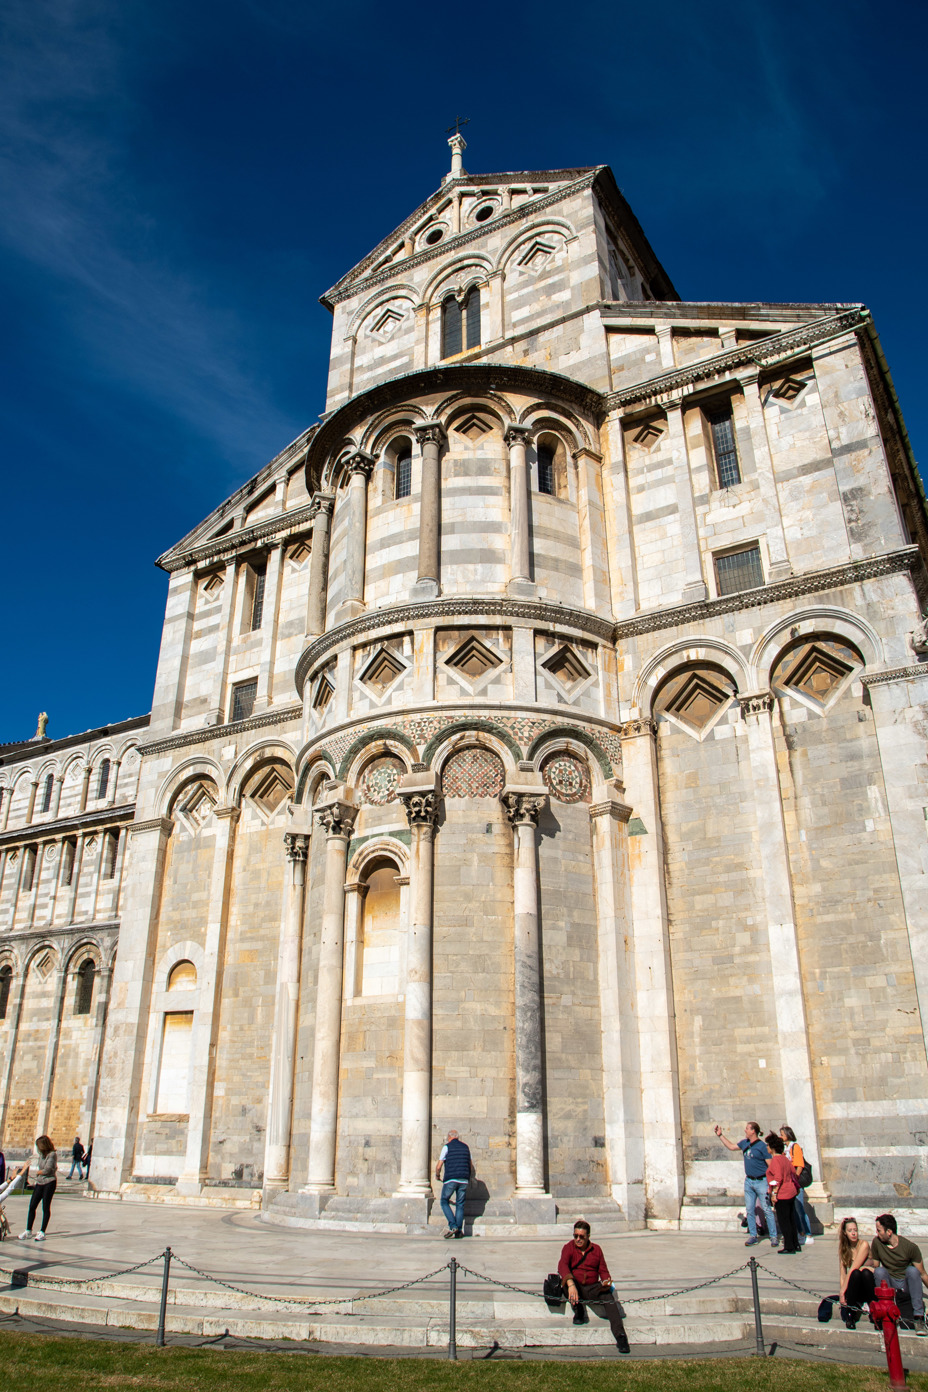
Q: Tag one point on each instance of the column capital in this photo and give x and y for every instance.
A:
(229, 814)
(322, 503)
(516, 435)
(429, 432)
(296, 844)
(361, 463)
(756, 703)
(747, 376)
(524, 809)
(584, 452)
(611, 807)
(634, 729)
(674, 403)
(359, 887)
(162, 824)
(337, 819)
(421, 807)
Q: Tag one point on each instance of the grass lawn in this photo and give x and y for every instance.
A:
(33, 1363)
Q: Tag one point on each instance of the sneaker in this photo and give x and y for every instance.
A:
(459, 1232)
(752, 1242)
(25, 1236)
(40, 1237)
(809, 1240)
(621, 1343)
(449, 1233)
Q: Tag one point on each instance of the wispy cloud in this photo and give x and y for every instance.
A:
(139, 312)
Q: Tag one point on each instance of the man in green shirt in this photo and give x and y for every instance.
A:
(898, 1262)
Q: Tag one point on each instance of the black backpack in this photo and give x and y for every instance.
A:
(553, 1288)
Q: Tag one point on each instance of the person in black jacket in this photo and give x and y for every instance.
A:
(77, 1158)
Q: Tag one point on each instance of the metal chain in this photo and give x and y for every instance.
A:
(631, 1300)
(297, 1302)
(91, 1280)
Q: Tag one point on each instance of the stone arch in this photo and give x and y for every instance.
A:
(37, 952)
(459, 401)
(564, 735)
(186, 951)
(379, 847)
(542, 416)
(494, 736)
(374, 302)
(386, 424)
(319, 767)
(522, 240)
(87, 947)
(385, 735)
(198, 766)
(826, 620)
(455, 277)
(333, 469)
(687, 652)
(257, 756)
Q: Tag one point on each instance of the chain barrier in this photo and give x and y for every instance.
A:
(299, 1303)
(630, 1299)
(41, 1280)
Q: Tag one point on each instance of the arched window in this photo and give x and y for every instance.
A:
(29, 855)
(545, 469)
(552, 466)
(47, 791)
(110, 847)
(6, 979)
(402, 469)
(83, 998)
(379, 958)
(68, 852)
(104, 779)
(460, 323)
(182, 977)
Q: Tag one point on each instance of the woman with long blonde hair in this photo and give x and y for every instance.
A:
(857, 1284)
(46, 1182)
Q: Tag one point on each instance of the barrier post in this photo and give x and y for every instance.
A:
(453, 1311)
(159, 1337)
(759, 1350)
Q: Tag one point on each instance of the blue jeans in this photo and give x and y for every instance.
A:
(912, 1282)
(803, 1221)
(756, 1190)
(75, 1165)
(453, 1191)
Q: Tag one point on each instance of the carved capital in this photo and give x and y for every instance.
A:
(162, 824)
(296, 845)
(524, 809)
(421, 808)
(634, 729)
(230, 814)
(337, 818)
(516, 435)
(612, 808)
(429, 433)
(322, 503)
(360, 463)
(760, 703)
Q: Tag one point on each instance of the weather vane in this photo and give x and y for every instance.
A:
(459, 121)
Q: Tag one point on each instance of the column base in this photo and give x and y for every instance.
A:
(312, 1202)
(213, 717)
(522, 589)
(411, 1209)
(780, 570)
(423, 590)
(189, 1185)
(348, 609)
(534, 1208)
(695, 591)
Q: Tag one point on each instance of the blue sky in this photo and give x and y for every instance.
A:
(181, 181)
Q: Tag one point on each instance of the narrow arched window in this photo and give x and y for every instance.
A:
(110, 847)
(472, 317)
(83, 999)
(546, 469)
(29, 855)
(104, 780)
(6, 980)
(403, 470)
(47, 791)
(460, 323)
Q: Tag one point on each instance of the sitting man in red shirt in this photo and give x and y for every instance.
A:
(583, 1270)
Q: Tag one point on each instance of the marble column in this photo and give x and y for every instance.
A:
(786, 971)
(216, 713)
(85, 788)
(620, 538)
(56, 800)
(694, 582)
(33, 789)
(264, 696)
(420, 797)
(524, 803)
(520, 564)
(14, 1012)
(657, 1038)
(206, 1020)
(76, 864)
(360, 466)
(337, 820)
(51, 1054)
(622, 1092)
(428, 581)
(114, 779)
(89, 1111)
(319, 564)
(763, 462)
(286, 1009)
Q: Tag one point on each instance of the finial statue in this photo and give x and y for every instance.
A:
(41, 727)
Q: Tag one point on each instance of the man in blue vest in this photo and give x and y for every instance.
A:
(455, 1157)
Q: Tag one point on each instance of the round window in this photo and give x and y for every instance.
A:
(431, 238)
(483, 213)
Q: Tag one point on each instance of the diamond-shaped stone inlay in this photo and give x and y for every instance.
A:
(648, 435)
(382, 671)
(537, 256)
(567, 778)
(567, 666)
(43, 966)
(789, 388)
(299, 555)
(697, 699)
(379, 780)
(197, 806)
(473, 427)
(270, 790)
(386, 324)
(474, 659)
(817, 671)
(212, 585)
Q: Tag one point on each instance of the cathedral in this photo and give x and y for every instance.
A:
(539, 749)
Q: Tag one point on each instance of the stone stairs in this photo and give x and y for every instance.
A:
(492, 1219)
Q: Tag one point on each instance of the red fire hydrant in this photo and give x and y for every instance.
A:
(884, 1312)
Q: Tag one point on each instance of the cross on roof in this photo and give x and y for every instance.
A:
(459, 121)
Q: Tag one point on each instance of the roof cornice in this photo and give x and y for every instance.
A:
(32, 749)
(280, 525)
(84, 821)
